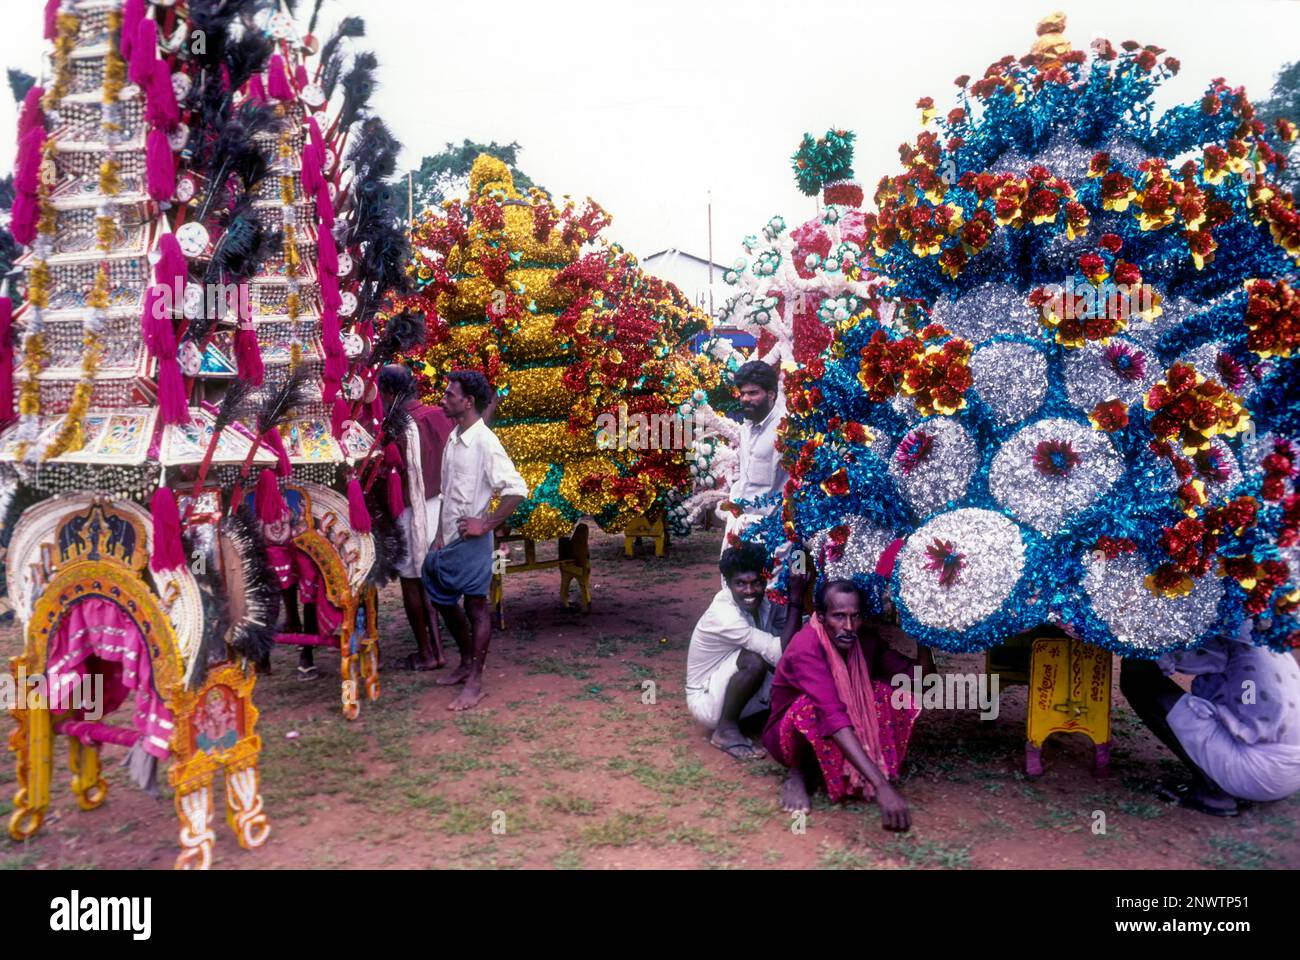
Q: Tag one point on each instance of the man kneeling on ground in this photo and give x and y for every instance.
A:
(832, 721)
(733, 650)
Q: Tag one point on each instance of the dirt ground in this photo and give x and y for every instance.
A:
(573, 769)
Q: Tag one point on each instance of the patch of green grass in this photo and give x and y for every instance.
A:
(569, 803)
(1143, 811)
(1231, 852)
(624, 829)
(557, 758)
(481, 729)
(568, 859)
(457, 762)
(917, 854)
(841, 858)
(558, 666)
(19, 861)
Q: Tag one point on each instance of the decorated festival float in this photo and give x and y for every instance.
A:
(589, 354)
(177, 177)
(1075, 403)
(792, 288)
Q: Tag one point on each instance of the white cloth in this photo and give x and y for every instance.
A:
(724, 631)
(475, 468)
(418, 526)
(1241, 722)
(760, 471)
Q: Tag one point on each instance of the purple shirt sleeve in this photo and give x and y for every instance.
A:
(803, 667)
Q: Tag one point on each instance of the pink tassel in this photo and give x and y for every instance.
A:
(172, 267)
(161, 108)
(277, 79)
(329, 292)
(256, 89)
(267, 499)
(329, 327)
(144, 52)
(23, 218)
(168, 551)
(327, 254)
(300, 77)
(225, 79)
(248, 356)
(155, 317)
(51, 19)
(339, 416)
(358, 515)
(273, 440)
(313, 134)
(396, 499)
(132, 13)
(6, 361)
(324, 206)
(329, 389)
(336, 365)
(31, 116)
(310, 169)
(27, 169)
(171, 393)
(160, 166)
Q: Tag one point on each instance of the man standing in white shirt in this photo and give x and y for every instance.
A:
(733, 651)
(475, 469)
(760, 474)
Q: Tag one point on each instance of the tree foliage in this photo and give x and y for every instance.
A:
(446, 174)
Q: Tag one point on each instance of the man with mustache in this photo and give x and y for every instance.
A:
(832, 721)
(760, 474)
(733, 650)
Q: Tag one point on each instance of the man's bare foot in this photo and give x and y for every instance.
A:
(412, 661)
(459, 675)
(468, 698)
(794, 793)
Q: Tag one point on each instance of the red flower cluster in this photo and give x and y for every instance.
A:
(1272, 318)
(1109, 416)
(1192, 409)
(1112, 547)
(1258, 579)
(1280, 467)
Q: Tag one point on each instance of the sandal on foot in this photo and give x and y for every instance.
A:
(740, 750)
(308, 673)
(1183, 795)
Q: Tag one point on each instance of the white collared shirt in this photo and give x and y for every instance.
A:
(725, 627)
(475, 468)
(760, 472)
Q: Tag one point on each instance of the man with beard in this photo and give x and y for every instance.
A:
(832, 721)
(760, 476)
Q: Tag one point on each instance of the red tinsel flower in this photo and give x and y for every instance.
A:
(1109, 416)
(1112, 547)
(1212, 465)
(962, 80)
(913, 449)
(1235, 517)
(837, 484)
(840, 534)
(1055, 458)
(1279, 467)
(1093, 267)
(1231, 371)
(1099, 164)
(1272, 318)
(1111, 242)
(945, 560)
(1174, 64)
(1289, 529)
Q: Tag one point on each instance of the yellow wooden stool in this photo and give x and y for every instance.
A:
(655, 528)
(573, 560)
(1069, 692)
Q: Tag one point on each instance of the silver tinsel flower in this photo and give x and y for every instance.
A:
(992, 560)
(1046, 501)
(941, 476)
(1137, 616)
(1011, 378)
(1090, 378)
(987, 311)
(859, 554)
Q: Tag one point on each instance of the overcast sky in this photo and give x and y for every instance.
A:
(648, 107)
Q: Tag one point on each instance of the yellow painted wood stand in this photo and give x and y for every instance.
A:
(1069, 692)
(656, 529)
(573, 560)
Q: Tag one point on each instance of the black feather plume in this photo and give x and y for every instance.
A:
(402, 332)
(390, 545)
(331, 54)
(254, 636)
(358, 86)
(315, 14)
(236, 394)
(246, 56)
(281, 402)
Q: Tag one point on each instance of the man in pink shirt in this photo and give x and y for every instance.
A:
(832, 721)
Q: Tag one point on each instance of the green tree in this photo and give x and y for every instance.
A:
(446, 174)
(1285, 102)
